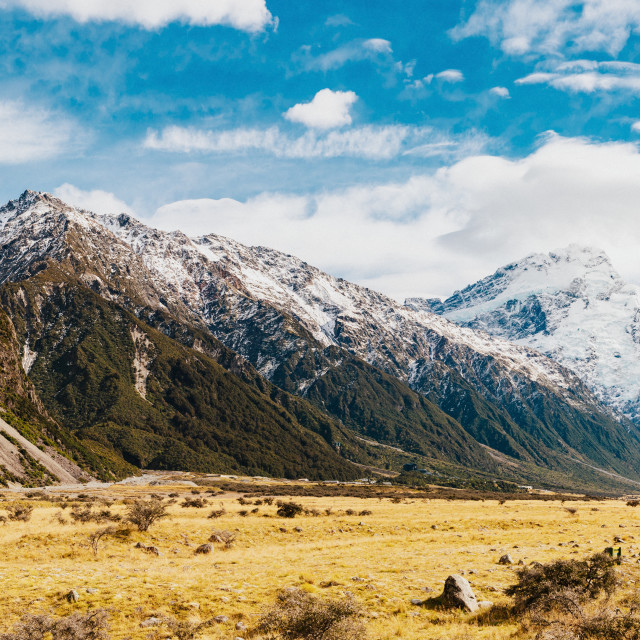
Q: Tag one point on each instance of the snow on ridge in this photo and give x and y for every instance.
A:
(571, 305)
(318, 300)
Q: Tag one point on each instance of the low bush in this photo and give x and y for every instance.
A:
(197, 503)
(86, 514)
(78, 626)
(545, 586)
(226, 538)
(289, 509)
(19, 512)
(298, 615)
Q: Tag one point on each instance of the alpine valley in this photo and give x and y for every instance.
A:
(125, 348)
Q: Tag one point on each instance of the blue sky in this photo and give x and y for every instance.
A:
(410, 146)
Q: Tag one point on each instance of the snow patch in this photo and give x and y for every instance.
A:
(28, 358)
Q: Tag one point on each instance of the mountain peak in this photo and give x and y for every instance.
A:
(570, 304)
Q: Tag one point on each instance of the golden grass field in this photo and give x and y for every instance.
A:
(385, 559)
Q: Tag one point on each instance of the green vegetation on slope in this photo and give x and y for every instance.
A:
(196, 415)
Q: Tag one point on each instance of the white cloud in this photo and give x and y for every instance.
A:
(450, 75)
(434, 233)
(246, 15)
(96, 201)
(338, 20)
(589, 76)
(636, 126)
(377, 143)
(375, 50)
(378, 45)
(543, 27)
(328, 110)
(30, 134)
(501, 92)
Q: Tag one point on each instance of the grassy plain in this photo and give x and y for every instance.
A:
(402, 551)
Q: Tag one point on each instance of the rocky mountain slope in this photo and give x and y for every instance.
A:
(144, 343)
(297, 325)
(570, 304)
(132, 372)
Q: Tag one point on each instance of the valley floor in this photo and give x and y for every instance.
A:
(402, 551)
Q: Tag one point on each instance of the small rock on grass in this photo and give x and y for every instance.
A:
(151, 622)
(458, 594)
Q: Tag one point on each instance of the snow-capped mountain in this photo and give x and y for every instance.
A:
(327, 340)
(571, 305)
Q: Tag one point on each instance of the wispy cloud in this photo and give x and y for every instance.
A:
(370, 142)
(364, 142)
(246, 15)
(588, 76)
(338, 20)
(30, 134)
(377, 51)
(328, 110)
(543, 27)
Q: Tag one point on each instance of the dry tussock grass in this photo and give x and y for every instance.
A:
(401, 551)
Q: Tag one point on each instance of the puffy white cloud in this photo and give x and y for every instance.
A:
(636, 126)
(30, 134)
(434, 233)
(450, 75)
(246, 15)
(97, 201)
(377, 143)
(328, 110)
(542, 27)
(589, 76)
(501, 92)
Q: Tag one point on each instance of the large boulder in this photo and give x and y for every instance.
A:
(458, 594)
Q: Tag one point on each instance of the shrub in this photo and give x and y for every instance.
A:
(143, 513)
(227, 538)
(86, 514)
(96, 536)
(572, 622)
(289, 509)
(217, 513)
(298, 615)
(198, 503)
(19, 512)
(78, 626)
(633, 503)
(543, 585)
